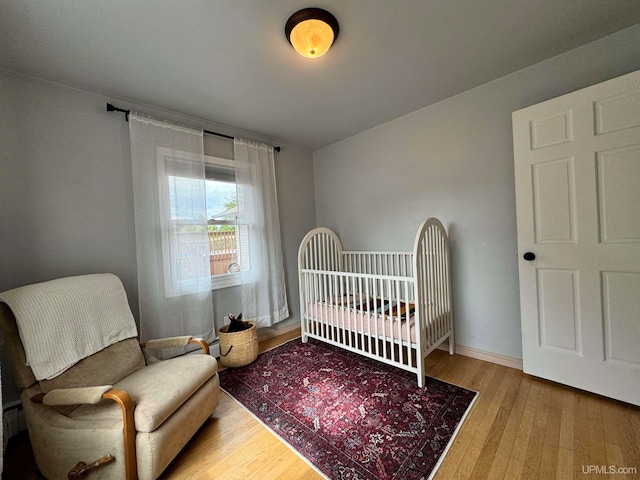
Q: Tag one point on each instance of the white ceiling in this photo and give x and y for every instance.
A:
(229, 62)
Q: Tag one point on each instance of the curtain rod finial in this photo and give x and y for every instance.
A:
(113, 108)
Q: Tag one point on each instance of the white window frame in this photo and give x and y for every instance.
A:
(176, 287)
(223, 280)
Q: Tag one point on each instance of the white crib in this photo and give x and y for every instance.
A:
(394, 307)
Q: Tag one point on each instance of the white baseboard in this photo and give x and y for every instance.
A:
(497, 358)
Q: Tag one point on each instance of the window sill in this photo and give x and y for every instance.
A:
(225, 280)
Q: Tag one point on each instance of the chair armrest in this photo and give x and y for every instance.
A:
(72, 396)
(175, 342)
(123, 399)
(75, 396)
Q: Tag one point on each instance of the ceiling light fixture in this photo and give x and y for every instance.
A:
(311, 31)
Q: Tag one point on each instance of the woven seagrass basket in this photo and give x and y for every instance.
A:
(238, 349)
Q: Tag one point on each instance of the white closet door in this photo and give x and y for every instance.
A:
(577, 175)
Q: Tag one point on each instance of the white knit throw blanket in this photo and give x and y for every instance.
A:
(65, 320)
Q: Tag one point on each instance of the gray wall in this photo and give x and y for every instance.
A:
(66, 193)
(454, 160)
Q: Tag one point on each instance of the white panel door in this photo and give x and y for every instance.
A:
(577, 175)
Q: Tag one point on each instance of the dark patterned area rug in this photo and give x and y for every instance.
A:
(349, 416)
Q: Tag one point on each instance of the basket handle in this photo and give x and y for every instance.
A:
(228, 351)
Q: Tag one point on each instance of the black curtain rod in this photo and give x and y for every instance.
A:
(112, 108)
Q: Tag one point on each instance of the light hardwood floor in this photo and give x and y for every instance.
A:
(520, 427)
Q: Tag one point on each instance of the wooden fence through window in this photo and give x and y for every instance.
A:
(223, 251)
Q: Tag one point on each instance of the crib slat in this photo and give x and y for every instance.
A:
(432, 286)
(441, 285)
(377, 332)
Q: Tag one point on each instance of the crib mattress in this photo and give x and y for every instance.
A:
(389, 327)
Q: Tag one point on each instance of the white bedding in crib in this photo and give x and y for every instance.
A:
(369, 322)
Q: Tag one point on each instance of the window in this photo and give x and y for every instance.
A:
(189, 208)
(182, 223)
(222, 221)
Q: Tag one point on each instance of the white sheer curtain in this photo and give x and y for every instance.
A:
(264, 298)
(174, 279)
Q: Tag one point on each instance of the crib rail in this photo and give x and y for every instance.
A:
(361, 312)
(379, 263)
(320, 249)
(432, 265)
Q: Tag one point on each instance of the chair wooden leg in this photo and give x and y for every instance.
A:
(82, 468)
(123, 399)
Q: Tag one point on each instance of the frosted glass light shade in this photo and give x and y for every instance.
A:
(311, 38)
(311, 31)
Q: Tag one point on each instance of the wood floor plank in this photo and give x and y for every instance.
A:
(582, 455)
(564, 461)
(517, 458)
(551, 440)
(456, 369)
(533, 458)
(438, 363)
(597, 452)
(628, 418)
(491, 431)
(510, 428)
(611, 437)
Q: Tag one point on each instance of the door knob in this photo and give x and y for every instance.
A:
(529, 256)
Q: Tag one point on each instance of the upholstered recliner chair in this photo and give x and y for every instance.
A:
(92, 395)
